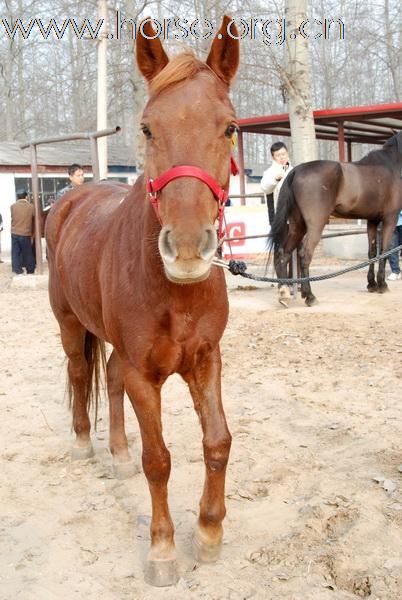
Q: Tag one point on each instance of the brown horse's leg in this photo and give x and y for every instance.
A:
(282, 257)
(308, 246)
(387, 231)
(205, 388)
(73, 339)
(146, 401)
(123, 464)
(281, 262)
(372, 252)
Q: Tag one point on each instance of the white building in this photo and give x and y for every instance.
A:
(53, 163)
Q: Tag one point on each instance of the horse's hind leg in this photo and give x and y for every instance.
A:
(123, 464)
(73, 335)
(283, 255)
(372, 252)
(306, 254)
(281, 262)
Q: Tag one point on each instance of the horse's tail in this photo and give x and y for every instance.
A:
(285, 205)
(95, 355)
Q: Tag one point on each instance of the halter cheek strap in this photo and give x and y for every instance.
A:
(221, 194)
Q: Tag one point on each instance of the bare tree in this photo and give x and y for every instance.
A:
(297, 83)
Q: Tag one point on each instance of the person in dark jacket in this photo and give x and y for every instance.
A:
(76, 176)
(22, 232)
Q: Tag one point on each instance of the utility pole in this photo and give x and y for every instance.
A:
(102, 90)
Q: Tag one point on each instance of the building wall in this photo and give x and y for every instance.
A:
(8, 195)
(251, 188)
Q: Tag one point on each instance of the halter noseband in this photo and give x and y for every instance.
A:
(221, 194)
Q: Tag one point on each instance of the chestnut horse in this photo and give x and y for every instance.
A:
(366, 189)
(133, 267)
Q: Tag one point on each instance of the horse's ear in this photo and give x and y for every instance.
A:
(223, 57)
(151, 57)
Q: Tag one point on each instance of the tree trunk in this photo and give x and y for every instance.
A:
(297, 84)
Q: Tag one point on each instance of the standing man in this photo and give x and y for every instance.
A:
(271, 184)
(76, 176)
(22, 232)
(274, 176)
(394, 258)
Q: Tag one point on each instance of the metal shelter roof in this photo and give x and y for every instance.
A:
(361, 124)
(61, 155)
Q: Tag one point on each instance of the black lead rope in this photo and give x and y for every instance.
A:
(238, 267)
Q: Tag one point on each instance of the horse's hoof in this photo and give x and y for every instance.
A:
(124, 470)
(383, 289)
(284, 295)
(161, 573)
(82, 452)
(372, 288)
(311, 300)
(205, 553)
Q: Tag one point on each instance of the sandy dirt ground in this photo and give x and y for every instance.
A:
(314, 485)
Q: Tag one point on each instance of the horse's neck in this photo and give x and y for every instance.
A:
(388, 157)
(394, 155)
(140, 228)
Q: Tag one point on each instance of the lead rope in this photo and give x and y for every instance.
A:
(238, 267)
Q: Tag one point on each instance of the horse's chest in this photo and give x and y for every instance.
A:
(179, 344)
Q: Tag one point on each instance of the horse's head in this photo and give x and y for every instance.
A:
(189, 122)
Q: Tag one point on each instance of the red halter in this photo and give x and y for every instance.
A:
(221, 195)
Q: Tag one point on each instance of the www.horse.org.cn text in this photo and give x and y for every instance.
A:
(272, 32)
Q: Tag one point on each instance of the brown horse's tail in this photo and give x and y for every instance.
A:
(95, 355)
(285, 205)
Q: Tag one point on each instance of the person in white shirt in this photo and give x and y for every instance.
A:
(275, 175)
(271, 183)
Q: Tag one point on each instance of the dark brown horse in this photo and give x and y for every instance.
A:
(133, 267)
(366, 189)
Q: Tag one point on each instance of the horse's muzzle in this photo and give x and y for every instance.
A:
(187, 257)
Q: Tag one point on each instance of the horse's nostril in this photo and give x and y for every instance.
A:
(167, 246)
(209, 243)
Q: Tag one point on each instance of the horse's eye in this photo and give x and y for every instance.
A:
(146, 131)
(231, 129)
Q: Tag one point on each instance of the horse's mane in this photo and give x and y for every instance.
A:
(379, 157)
(182, 66)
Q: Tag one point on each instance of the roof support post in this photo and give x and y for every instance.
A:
(341, 141)
(349, 150)
(241, 168)
(37, 209)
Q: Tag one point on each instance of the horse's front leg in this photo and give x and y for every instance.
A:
(205, 387)
(372, 252)
(161, 569)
